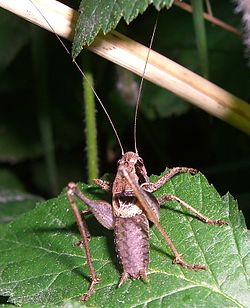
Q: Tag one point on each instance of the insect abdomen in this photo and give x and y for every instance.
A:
(132, 245)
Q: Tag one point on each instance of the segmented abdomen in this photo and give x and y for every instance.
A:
(132, 244)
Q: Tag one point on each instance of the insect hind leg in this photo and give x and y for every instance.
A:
(71, 192)
(145, 203)
(178, 257)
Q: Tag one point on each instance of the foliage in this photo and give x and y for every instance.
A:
(170, 132)
(40, 263)
(14, 202)
(105, 15)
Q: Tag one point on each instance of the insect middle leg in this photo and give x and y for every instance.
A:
(202, 217)
(151, 187)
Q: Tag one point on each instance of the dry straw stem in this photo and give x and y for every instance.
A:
(131, 55)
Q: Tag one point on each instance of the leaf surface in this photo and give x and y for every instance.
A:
(96, 15)
(15, 202)
(40, 263)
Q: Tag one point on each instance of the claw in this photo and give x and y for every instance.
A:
(86, 295)
(219, 222)
(195, 267)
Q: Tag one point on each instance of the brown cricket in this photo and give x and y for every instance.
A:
(133, 205)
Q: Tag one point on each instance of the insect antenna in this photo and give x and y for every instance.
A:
(84, 76)
(141, 84)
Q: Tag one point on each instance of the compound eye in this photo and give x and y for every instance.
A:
(140, 161)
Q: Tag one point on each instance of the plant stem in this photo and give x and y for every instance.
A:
(91, 132)
(200, 33)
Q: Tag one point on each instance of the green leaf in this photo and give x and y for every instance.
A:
(8, 179)
(104, 16)
(41, 264)
(15, 202)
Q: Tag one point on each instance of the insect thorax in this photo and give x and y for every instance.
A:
(125, 205)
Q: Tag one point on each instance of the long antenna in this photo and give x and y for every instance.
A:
(83, 74)
(141, 84)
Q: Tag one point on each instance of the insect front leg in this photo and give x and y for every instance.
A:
(151, 187)
(102, 210)
(105, 185)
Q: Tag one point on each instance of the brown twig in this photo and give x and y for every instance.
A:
(209, 17)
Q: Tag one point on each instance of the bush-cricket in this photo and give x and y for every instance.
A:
(133, 206)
